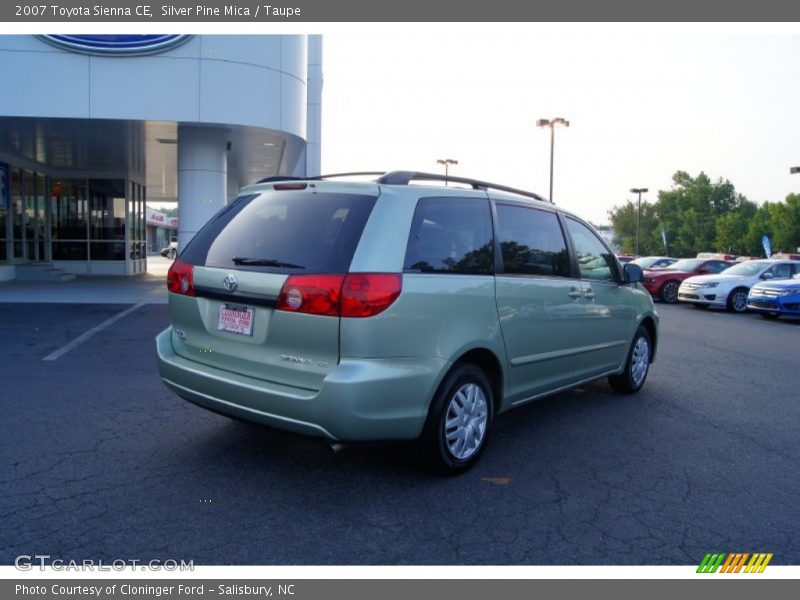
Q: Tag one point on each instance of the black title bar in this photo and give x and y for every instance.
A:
(183, 11)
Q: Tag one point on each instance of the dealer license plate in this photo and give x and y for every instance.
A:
(236, 319)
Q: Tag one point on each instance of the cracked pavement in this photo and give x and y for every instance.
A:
(99, 460)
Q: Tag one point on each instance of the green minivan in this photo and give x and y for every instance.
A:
(398, 309)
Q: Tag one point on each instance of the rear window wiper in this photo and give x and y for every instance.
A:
(264, 262)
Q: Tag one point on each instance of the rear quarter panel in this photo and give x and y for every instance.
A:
(437, 316)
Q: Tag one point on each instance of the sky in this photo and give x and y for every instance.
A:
(641, 105)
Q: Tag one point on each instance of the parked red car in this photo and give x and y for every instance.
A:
(664, 283)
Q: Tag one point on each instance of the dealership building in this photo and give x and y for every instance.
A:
(95, 126)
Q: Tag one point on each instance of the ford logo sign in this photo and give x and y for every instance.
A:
(230, 283)
(116, 45)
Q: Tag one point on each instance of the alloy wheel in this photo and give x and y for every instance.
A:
(465, 421)
(670, 292)
(640, 360)
(739, 301)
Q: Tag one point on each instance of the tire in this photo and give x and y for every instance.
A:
(669, 292)
(444, 445)
(699, 305)
(737, 300)
(769, 315)
(637, 366)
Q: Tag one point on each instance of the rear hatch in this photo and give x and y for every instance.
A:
(239, 262)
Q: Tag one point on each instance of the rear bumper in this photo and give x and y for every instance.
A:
(361, 400)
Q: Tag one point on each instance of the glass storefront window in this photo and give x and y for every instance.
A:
(15, 199)
(4, 174)
(107, 251)
(69, 210)
(107, 202)
(69, 251)
(142, 214)
(43, 218)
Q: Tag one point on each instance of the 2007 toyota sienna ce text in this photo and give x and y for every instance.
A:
(390, 310)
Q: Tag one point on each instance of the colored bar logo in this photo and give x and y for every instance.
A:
(735, 562)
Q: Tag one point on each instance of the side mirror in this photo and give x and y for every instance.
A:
(632, 273)
(767, 276)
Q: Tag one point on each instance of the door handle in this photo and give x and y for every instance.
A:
(574, 293)
(588, 294)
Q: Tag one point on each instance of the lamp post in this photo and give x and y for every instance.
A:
(551, 123)
(446, 162)
(639, 191)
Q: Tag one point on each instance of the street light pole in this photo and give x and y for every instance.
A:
(446, 162)
(551, 123)
(639, 191)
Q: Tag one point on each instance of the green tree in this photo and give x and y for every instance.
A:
(732, 228)
(623, 220)
(760, 224)
(698, 215)
(784, 218)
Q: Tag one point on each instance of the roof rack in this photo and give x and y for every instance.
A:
(406, 177)
(319, 177)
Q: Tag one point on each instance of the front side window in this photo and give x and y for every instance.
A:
(451, 235)
(531, 241)
(595, 261)
(779, 271)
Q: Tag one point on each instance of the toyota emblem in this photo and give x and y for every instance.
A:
(230, 283)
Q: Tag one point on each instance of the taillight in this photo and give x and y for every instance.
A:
(368, 294)
(180, 278)
(313, 294)
(356, 295)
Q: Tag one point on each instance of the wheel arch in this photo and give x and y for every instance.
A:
(489, 363)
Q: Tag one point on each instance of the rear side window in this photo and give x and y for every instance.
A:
(531, 241)
(283, 232)
(451, 235)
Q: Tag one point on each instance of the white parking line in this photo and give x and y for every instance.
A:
(85, 336)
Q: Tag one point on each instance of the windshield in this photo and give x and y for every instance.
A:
(283, 232)
(745, 269)
(651, 262)
(687, 264)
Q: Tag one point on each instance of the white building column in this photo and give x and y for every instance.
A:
(202, 177)
(314, 106)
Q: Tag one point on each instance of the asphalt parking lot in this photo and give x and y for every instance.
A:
(100, 461)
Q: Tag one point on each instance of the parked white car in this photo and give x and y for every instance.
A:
(729, 289)
(171, 251)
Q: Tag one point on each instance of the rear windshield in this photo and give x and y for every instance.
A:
(283, 232)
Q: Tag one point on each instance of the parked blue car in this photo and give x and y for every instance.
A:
(772, 299)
